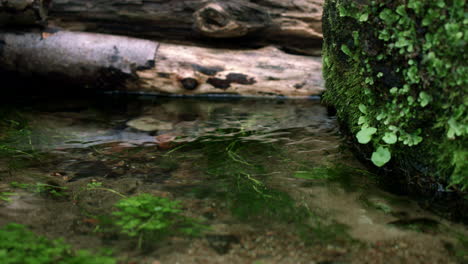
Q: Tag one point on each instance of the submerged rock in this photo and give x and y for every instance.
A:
(222, 243)
(149, 124)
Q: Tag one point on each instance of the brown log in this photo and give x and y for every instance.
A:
(292, 25)
(128, 64)
(23, 12)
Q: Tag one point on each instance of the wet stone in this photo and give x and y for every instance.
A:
(424, 225)
(87, 169)
(221, 243)
(148, 124)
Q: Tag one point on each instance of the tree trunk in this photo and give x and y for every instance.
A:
(23, 12)
(293, 25)
(128, 64)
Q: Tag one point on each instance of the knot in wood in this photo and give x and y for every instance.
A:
(231, 19)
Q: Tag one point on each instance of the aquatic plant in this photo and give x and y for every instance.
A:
(5, 196)
(16, 140)
(349, 178)
(151, 218)
(42, 188)
(236, 174)
(396, 73)
(21, 246)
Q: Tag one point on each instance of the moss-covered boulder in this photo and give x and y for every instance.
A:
(396, 72)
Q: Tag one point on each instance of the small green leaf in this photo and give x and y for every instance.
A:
(381, 156)
(401, 10)
(362, 120)
(394, 90)
(343, 12)
(345, 49)
(441, 3)
(424, 99)
(388, 16)
(364, 17)
(364, 136)
(363, 108)
(390, 138)
(381, 116)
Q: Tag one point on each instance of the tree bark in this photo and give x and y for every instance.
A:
(292, 25)
(129, 64)
(23, 12)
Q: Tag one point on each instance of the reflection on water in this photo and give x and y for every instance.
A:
(270, 177)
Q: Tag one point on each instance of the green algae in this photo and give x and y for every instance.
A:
(18, 245)
(18, 141)
(348, 178)
(237, 174)
(396, 73)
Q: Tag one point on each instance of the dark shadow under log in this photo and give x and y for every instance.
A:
(23, 12)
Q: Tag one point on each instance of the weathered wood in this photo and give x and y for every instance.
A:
(292, 25)
(128, 64)
(268, 71)
(23, 12)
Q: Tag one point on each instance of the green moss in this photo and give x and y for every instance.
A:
(396, 73)
(19, 245)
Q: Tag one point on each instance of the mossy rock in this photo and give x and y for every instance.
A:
(396, 74)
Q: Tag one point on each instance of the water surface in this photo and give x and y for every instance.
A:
(272, 179)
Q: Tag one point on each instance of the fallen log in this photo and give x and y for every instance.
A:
(293, 25)
(23, 12)
(128, 64)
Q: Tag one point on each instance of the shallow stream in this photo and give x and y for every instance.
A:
(271, 180)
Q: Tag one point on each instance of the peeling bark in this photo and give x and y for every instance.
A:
(292, 25)
(129, 64)
(23, 12)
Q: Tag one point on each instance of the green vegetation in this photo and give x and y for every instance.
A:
(151, 218)
(17, 141)
(20, 246)
(5, 196)
(235, 172)
(95, 185)
(349, 178)
(396, 73)
(42, 188)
